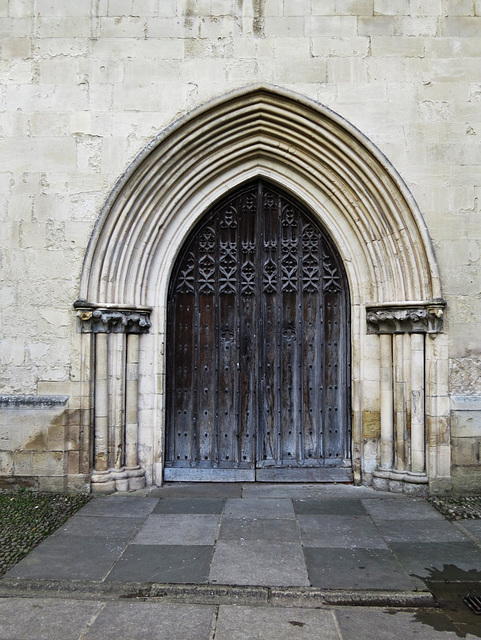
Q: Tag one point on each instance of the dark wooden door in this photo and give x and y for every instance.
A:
(258, 352)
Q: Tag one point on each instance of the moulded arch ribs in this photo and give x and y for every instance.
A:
(182, 171)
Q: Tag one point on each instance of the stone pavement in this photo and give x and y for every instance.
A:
(248, 561)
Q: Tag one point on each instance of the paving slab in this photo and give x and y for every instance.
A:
(199, 490)
(45, 618)
(419, 531)
(118, 506)
(372, 624)
(163, 563)
(473, 527)
(400, 508)
(265, 508)
(99, 526)
(330, 506)
(355, 569)
(250, 623)
(153, 620)
(71, 557)
(189, 505)
(179, 529)
(424, 559)
(259, 563)
(340, 531)
(287, 490)
(262, 530)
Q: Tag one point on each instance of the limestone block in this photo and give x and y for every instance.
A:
(280, 27)
(54, 484)
(466, 451)
(138, 71)
(172, 27)
(347, 70)
(48, 463)
(160, 49)
(61, 46)
(219, 27)
(254, 48)
(333, 26)
(122, 27)
(73, 465)
(343, 47)
(426, 7)
(4, 8)
(22, 461)
(297, 7)
(377, 25)
(398, 46)
(466, 424)
(16, 48)
(460, 8)
(119, 7)
(467, 480)
(6, 463)
(71, 27)
(462, 27)
(391, 7)
(61, 8)
(291, 47)
(274, 7)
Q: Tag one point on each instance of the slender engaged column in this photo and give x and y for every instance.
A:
(387, 403)
(131, 409)
(101, 402)
(417, 403)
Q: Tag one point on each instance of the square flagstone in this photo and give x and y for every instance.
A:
(249, 623)
(329, 506)
(118, 507)
(99, 526)
(358, 623)
(441, 560)
(340, 531)
(257, 529)
(199, 490)
(179, 528)
(44, 618)
(473, 527)
(154, 620)
(266, 508)
(401, 508)
(259, 563)
(419, 531)
(163, 563)
(71, 557)
(355, 569)
(189, 505)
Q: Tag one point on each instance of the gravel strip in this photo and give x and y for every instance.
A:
(27, 517)
(459, 508)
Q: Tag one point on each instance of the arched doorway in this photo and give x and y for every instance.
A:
(258, 381)
(400, 435)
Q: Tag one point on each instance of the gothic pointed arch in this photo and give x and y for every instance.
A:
(363, 204)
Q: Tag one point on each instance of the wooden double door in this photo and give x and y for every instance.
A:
(258, 357)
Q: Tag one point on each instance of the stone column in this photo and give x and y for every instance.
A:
(387, 403)
(116, 355)
(402, 330)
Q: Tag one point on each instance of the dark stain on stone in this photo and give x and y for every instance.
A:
(296, 623)
(449, 586)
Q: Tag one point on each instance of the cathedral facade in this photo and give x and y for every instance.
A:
(241, 242)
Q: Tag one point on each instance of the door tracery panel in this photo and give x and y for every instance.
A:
(258, 354)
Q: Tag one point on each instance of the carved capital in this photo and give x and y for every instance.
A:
(114, 320)
(415, 318)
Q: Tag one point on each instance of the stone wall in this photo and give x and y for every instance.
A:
(87, 85)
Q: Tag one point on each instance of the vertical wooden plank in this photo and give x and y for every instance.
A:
(248, 330)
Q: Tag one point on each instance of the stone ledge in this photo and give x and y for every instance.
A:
(32, 401)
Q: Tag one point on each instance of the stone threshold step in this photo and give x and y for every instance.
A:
(306, 597)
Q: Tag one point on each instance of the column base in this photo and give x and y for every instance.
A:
(407, 482)
(112, 480)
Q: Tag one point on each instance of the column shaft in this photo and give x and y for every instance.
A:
(101, 402)
(417, 403)
(387, 402)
